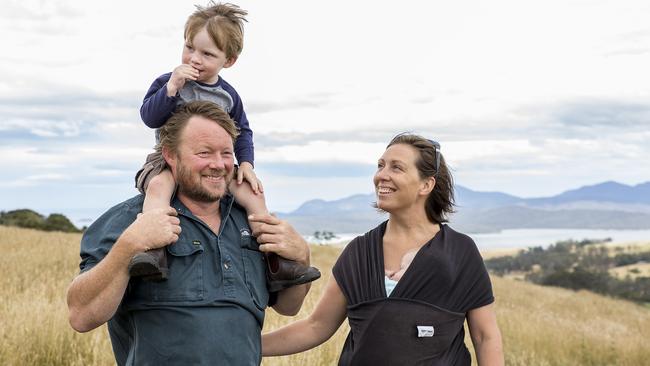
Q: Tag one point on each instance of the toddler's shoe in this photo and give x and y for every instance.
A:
(283, 273)
(150, 265)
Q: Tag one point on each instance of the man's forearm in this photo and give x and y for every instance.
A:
(290, 300)
(93, 296)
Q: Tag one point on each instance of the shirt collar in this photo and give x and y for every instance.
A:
(225, 206)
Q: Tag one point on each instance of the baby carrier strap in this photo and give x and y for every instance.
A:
(401, 332)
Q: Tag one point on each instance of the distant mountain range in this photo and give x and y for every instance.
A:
(608, 205)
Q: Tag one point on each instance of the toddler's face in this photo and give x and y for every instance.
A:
(203, 55)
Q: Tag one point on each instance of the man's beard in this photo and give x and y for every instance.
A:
(191, 187)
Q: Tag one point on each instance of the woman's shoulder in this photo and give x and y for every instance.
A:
(457, 240)
(359, 263)
(452, 234)
(359, 247)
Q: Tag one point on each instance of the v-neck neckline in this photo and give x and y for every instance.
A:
(380, 254)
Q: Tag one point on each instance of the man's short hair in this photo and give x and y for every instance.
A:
(170, 132)
(224, 23)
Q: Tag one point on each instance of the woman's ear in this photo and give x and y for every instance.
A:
(427, 186)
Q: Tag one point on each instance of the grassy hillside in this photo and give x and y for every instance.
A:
(593, 265)
(540, 325)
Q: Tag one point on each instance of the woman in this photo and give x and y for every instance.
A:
(421, 321)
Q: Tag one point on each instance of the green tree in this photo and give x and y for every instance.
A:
(33, 220)
(23, 218)
(58, 222)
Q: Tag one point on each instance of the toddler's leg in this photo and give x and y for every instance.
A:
(281, 273)
(152, 265)
(251, 202)
(159, 191)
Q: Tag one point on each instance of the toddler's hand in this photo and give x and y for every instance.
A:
(245, 172)
(178, 78)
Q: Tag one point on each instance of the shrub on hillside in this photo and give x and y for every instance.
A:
(577, 265)
(58, 222)
(22, 218)
(33, 220)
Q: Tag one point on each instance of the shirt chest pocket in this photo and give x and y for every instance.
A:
(254, 270)
(185, 277)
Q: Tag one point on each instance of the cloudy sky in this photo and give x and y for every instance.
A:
(526, 97)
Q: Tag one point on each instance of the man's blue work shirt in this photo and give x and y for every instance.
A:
(209, 311)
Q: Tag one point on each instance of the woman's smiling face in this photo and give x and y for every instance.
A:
(397, 180)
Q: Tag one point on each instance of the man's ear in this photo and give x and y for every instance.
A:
(229, 62)
(169, 156)
(427, 186)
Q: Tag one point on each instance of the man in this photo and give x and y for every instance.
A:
(210, 310)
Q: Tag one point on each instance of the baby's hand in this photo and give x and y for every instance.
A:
(245, 172)
(178, 78)
(397, 275)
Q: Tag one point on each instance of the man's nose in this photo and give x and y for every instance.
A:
(217, 162)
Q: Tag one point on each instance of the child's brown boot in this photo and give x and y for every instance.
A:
(282, 273)
(150, 265)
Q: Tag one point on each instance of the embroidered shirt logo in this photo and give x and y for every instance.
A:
(425, 331)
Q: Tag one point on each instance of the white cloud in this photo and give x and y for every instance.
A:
(324, 151)
(460, 152)
(526, 97)
(285, 194)
(34, 180)
(43, 128)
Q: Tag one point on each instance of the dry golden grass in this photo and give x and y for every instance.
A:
(553, 326)
(35, 270)
(323, 257)
(631, 247)
(632, 270)
(540, 326)
(499, 252)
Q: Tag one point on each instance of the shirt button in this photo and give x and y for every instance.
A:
(226, 265)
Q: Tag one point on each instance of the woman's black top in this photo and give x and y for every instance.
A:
(421, 323)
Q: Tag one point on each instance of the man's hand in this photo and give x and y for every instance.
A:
(154, 229)
(246, 172)
(94, 296)
(179, 76)
(275, 235)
